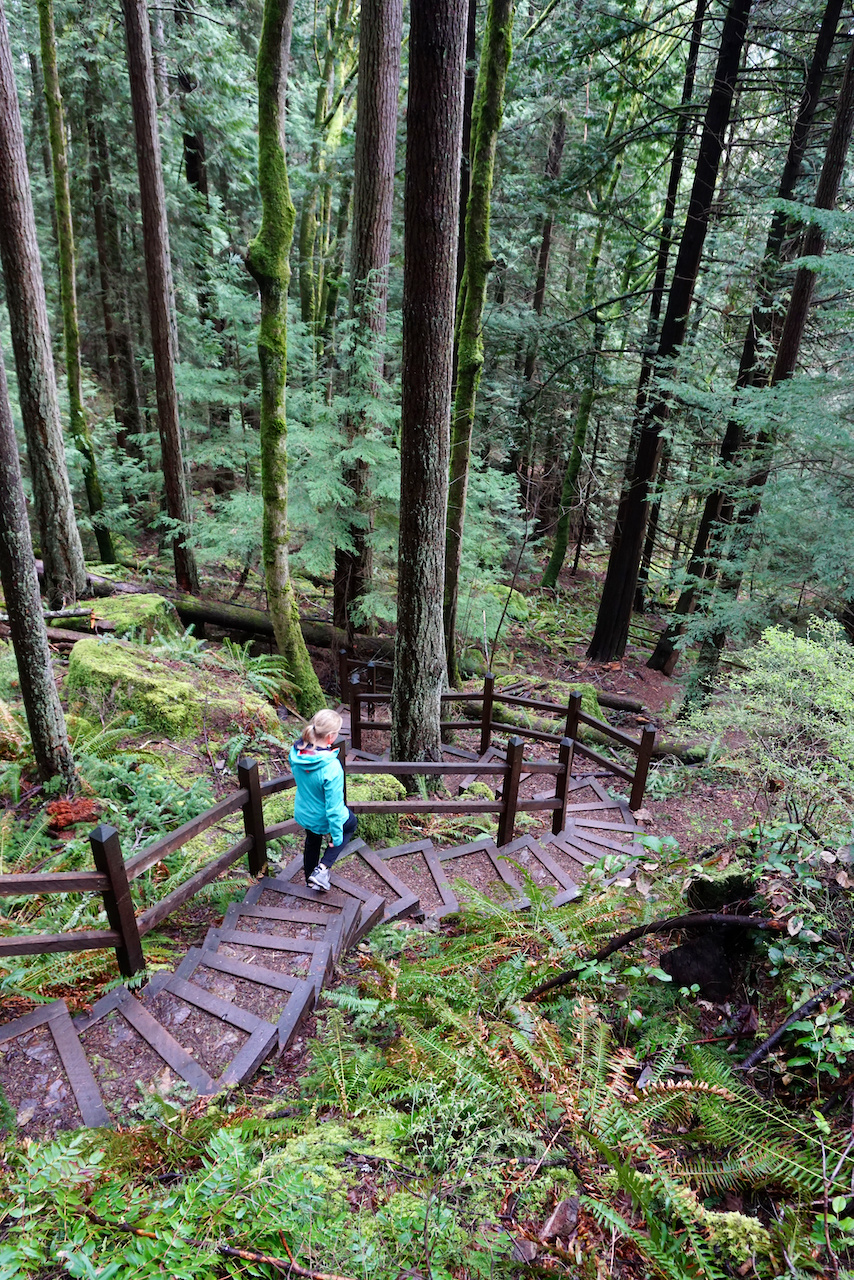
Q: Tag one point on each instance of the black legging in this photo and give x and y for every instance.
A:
(313, 842)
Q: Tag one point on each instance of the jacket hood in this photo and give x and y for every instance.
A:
(309, 761)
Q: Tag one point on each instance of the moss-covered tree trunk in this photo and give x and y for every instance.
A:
(267, 261)
(486, 122)
(431, 201)
(380, 38)
(67, 279)
(24, 610)
(158, 270)
(62, 550)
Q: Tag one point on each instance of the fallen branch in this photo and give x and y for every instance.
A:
(761, 1051)
(225, 1250)
(694, 920)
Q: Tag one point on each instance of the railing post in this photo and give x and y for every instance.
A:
(343, 672)
(573, 711)
(510, 791)
(647, 743)
(341, 745)
(372, 687)
(118, 904)
(486, 714)
(355, 713)
(253, 816)
(565, 756)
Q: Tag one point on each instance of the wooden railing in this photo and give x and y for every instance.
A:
(370, 695)
(113, 875)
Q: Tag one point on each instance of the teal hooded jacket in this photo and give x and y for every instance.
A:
(319, 804)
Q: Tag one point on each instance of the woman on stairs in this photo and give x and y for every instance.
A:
(319, 805)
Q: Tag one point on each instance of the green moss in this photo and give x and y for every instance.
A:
(517, 607)
(164, 700)
(478, 791)
(143, 616)
(380, 830)
(559, 692)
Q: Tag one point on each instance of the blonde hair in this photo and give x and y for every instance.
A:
(322, 725)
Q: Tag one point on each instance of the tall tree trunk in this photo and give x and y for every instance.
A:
(62, 551)
(380, 39)
(553, 164)
(24, 609)
(486, 122)
(431, 200)
(750, 373)
(158, 268)
(469, 82)
(122, 365)
(615, 607)
(267, 261)
(704, 676)
(67, 281)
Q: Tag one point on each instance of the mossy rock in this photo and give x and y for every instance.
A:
(142, 616)
(477, 791)
(517, 607)
(165, 698)
(559, 692)
(380, 830)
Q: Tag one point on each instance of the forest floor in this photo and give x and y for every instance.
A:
(425, 1122)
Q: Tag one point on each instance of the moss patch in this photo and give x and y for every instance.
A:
(165, 697)
(143, 616)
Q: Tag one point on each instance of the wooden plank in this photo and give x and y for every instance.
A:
(253, 815)
(320, 952)
(100, 1009)
(37, 944)
(348, 904)
(449, 768)
(249, 1057)
(536, 734)
(461, 753)
(581, 856)
(400, 850)
(29, 1021)
(619, 770)
(543, 857)
(404, 901)
(166, 1046)
(181, 835)
(225, 1010)
(332, 925)
(155, 915)
(279, 829)
(282, 782)
(604, 826)
(300, 1003)
(39, 882)
(118, 904)
(426, 806)
(80, 1077)
(251, 972)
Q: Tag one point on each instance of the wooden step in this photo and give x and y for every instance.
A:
(432, 887)
(56, 1018)
(479, 863)
(298, 994)
(393, 900)
(318, 955)
(526, 850)
(289, 892)
(313, 926)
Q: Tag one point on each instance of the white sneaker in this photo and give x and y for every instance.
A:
(319, 878)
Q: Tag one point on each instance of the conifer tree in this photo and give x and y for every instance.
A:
(158, 266)
(431, 200)
(380, 38)
(267, 262)
(486, 121)
(61, 548)
(67, 279)
(24, 610)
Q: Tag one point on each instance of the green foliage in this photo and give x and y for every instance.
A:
(792, 700)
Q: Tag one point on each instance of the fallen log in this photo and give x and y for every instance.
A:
(58, 635)
(761, 1051)
(235, 617)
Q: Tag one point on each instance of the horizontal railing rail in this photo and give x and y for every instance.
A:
(574, 717)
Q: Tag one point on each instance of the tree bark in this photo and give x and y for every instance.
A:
(431, 200)
(158, 268)
(65, 570)
(67, 282)
(665, 655)
(24, 608)
(486, 123)
(615, 607)
(380, 39)
(267, 262)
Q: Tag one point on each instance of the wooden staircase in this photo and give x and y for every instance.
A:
(245, 992)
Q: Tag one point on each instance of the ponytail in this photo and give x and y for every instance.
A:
(321, 725)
